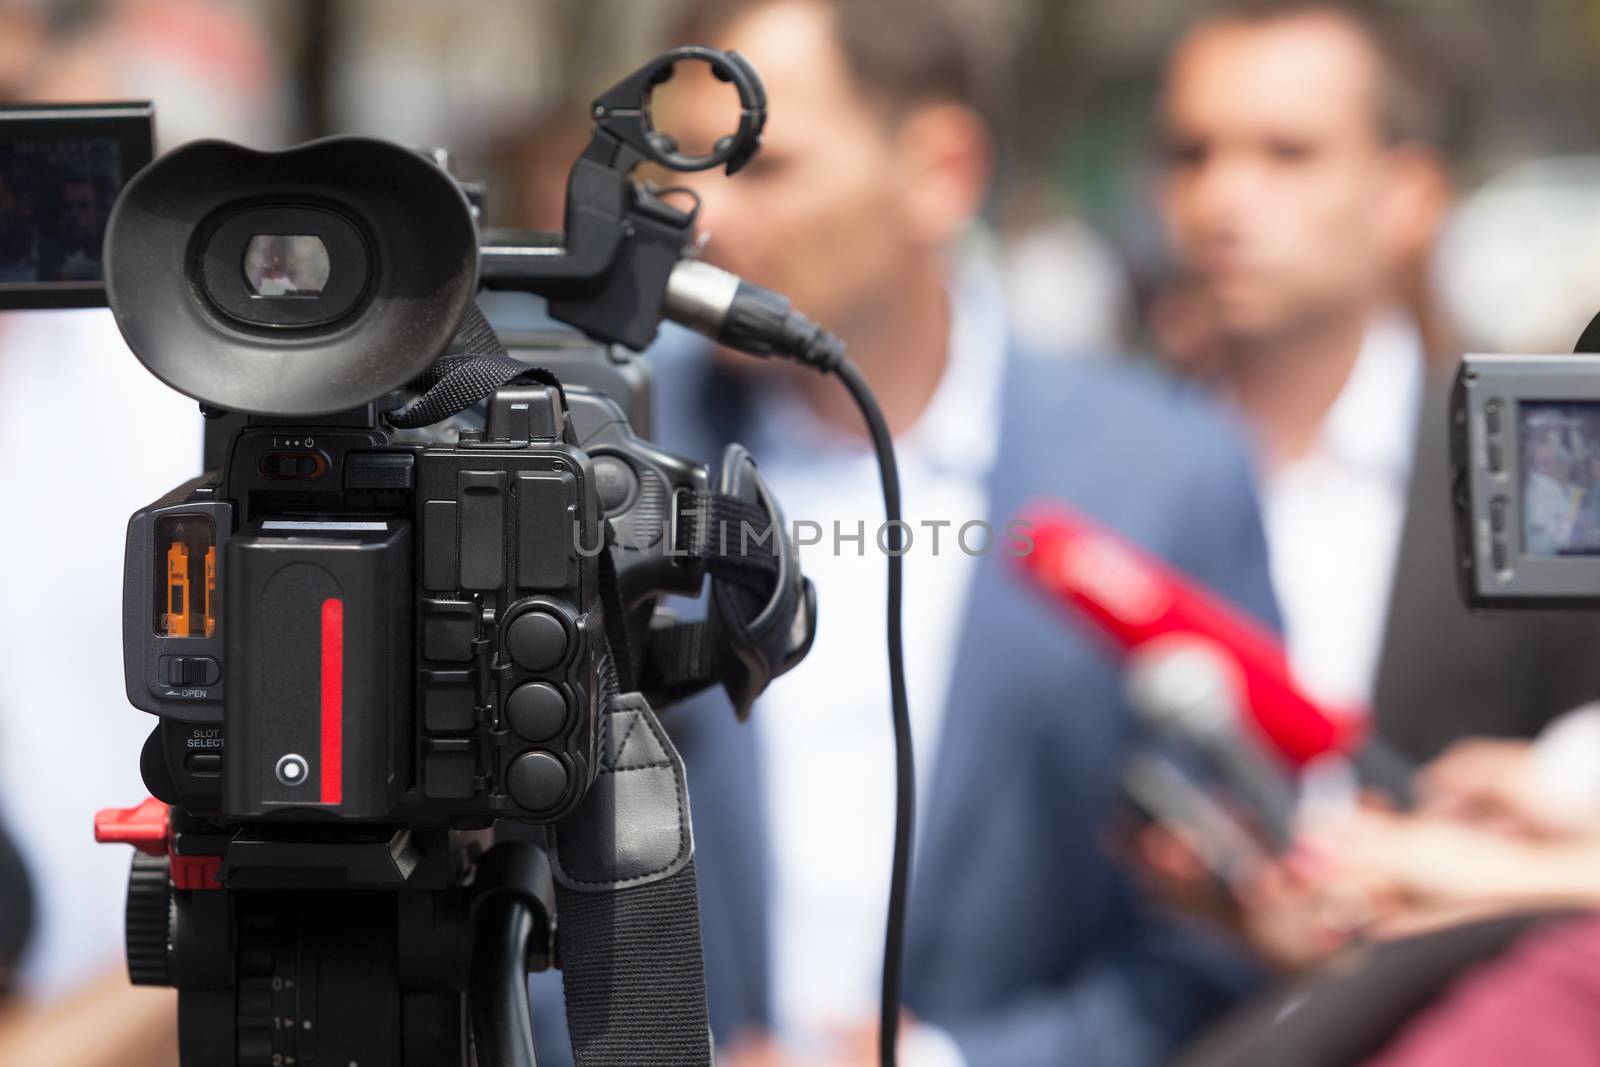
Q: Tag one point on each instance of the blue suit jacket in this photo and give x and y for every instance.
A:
(1025, 943)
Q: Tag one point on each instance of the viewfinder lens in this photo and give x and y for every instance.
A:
(286, 265)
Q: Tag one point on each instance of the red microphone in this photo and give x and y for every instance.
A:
(1136, 600)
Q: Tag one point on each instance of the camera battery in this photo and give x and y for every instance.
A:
(319, 644)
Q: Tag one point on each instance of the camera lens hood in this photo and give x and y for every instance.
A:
(399, 263)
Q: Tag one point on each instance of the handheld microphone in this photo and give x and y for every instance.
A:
(1134, 600)
(1186, 687)
(1170, 797)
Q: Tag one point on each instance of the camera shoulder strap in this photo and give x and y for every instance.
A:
(628, 915)
(455, 382)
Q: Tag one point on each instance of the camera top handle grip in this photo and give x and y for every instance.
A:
(623, 111)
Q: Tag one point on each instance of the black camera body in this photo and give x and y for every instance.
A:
(344, 625)
(419, 598)
(381, 612)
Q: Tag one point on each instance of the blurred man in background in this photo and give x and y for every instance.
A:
(1025, 944)
(1304, 175)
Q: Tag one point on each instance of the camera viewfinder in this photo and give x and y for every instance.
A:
(279, 265)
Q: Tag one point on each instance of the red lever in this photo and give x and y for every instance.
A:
(149, 829)
(144, 827)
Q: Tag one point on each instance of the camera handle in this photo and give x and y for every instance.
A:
(513, 932)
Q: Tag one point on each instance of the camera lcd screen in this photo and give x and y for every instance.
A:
(1560, 449)
(61, 168)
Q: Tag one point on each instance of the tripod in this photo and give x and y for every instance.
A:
(397, 949)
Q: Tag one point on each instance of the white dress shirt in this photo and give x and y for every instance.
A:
(824, 734)
(88, 436)
(1333, 518)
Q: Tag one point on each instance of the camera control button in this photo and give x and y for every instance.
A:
(448, 627)
(449, 769)
(449, 702)
(293, 466)
(536, 641)
(537, 711)
(292, 769)
(201, 670)
(182, 671)
(203, 763)
(536, 781)
(379, 470)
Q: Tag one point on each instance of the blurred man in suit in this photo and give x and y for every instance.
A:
(1304, 179)
(1025, 944)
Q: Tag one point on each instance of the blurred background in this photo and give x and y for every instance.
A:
(1072, 225)
(501, 83)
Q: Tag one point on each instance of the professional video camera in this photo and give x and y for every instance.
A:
(421, 593)
(1525, 451)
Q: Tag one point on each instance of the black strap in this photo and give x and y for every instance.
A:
(682, 658)
(620, 660)
(733, 538)
(634, 975)
(735, 542)
(455, 382)
(628, 912)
